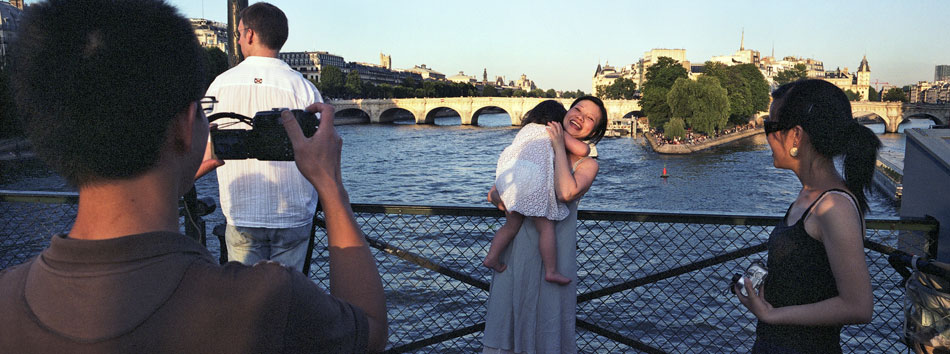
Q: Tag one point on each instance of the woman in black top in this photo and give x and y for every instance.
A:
(818, 279)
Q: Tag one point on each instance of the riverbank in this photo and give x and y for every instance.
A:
(680, 149)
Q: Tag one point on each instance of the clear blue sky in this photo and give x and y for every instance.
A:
(558, 43)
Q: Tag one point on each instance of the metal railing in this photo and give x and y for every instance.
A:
(648, 282)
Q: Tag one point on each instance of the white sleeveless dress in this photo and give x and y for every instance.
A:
(524, 176)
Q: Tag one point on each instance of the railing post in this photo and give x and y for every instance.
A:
(194, 223)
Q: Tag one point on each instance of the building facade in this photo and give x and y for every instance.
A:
(859, 82)
(606, 75)
(941, 73)
(211, 34)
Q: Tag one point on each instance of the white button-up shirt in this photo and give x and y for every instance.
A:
(253, 193)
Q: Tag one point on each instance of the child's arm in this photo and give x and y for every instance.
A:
(576, 147)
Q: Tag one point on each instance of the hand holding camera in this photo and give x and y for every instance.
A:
(266, 140)
(755, 275)
(317, 155)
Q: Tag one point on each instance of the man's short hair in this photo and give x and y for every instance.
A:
(268, 22)
(99, 82)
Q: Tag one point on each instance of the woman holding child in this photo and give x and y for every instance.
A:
(528, 312)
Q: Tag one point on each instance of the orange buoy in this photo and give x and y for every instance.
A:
(664, 175)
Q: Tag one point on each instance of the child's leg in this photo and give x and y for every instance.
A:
(502, 238)
(547, 245)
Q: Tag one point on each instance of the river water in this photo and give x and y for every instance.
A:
(451, 164)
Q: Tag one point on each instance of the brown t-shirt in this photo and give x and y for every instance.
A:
(162, 292)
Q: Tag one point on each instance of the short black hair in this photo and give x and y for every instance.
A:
(268, 22)
(99, 83)
(545, 112)
(601, 128)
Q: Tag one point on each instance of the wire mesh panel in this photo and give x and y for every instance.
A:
(648, 282)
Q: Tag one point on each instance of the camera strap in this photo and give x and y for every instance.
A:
(240, 117)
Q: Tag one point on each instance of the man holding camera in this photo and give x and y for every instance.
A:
(122, 119)
(269, 205)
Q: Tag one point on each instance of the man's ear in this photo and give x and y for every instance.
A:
(183, 127)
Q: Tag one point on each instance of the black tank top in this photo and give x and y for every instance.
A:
(799, 273)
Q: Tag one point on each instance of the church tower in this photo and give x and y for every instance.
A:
(863, 78)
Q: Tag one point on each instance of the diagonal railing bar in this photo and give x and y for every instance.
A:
(438, 338)
(653, 278)
(633, 343)
(426, 263)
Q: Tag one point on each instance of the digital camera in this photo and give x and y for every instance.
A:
(755, 274)
(266, 140)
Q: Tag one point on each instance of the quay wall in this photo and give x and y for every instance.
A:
(691, 148)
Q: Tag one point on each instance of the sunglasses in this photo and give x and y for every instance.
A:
(772, 126)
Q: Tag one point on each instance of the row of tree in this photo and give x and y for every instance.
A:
(333, 83)
(722, 97)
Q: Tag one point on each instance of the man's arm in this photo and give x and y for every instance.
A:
(353, 274)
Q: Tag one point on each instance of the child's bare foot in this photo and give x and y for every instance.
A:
(557, 278)
(494, 264)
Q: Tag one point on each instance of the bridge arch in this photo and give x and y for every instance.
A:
(922, 115)
(485, 110)
(393, 114)
(354, 114)
(434, 112)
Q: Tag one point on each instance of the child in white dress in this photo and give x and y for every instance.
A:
(524, 178)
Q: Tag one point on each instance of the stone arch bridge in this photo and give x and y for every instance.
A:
(424, 110)
(895, 113)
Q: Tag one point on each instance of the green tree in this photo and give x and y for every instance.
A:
(654, 105)
(550, 93)
(758, 86)
(852, 96)
(536, 93)
(507, 92)
(675, 128)
(519, 93)
(354, 85)
(895, 94)
(620, 89)
(489, 91)
(738, 88)
(873, 95)
(660, 78)
(703, 103)
(331, 81)
(798, 72)
(664, 73)
(217, 62)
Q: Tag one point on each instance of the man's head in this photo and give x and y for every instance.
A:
(100, 83)
(261, 24)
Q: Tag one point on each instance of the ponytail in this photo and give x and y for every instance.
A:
(860, 157)
(824, 112)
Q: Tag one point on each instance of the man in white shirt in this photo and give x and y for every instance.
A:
(268, 205)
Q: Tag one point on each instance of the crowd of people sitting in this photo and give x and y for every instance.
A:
(693, 137)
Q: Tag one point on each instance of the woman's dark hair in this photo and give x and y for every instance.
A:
(268, 22)
(601, 128)
(545, 112)
(824, 112)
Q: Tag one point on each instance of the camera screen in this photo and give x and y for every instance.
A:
(230, 144)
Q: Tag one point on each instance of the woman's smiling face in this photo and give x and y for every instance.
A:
(581, 119)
